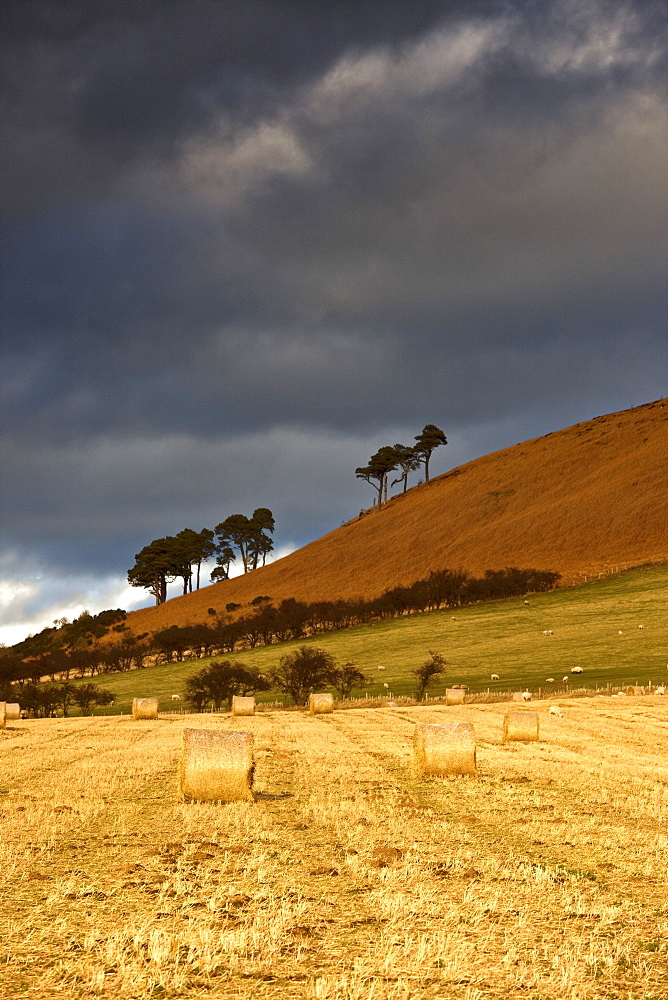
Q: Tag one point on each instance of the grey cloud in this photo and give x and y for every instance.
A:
(235, 267)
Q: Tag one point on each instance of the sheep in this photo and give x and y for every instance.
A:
(526, 695)
(620, 632)
(381, 668)
(548, 631)
(641, 626)
(526, 602)
(549, 680)
(555, 710)
(564, 680)
(494, 677)
(576, 670)
(660, 690)
(176, 697)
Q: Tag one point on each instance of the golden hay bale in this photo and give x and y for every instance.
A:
(12, 711)
(144, 708)
(217, 766)
(320, 704)
(242, 706)
(520, 726)
(444, 749)
(455, 696)
(3, 714)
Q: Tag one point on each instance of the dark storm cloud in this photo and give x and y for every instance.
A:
(246, 244)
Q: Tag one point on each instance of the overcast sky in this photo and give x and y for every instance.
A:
(245, 244)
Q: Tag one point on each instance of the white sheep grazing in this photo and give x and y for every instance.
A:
(641, 626)
(550, 680)
(564, 680)
(660, 690)
(620, 632)
(386, 686)
(381, 668)
(526, 602)
(176, 697)
(576, 670)
(555, 710)
(494, 677)
(526, 695)
(548, 631)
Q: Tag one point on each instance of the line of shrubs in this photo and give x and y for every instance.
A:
(264, 625)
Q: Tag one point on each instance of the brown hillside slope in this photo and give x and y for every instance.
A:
(584, 500)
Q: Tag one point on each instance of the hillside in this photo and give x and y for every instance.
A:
(585, 500)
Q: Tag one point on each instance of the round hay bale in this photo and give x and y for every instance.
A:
(12, 711)
(455, 696)
(242, 705)
(320, 704)
(3, 714)
(520, 727)
(444, 749)
(144, 708)
(217, 766)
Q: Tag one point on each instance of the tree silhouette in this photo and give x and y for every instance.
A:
(429, 438)
(155, 566)
(195, 548)
(347, 677)
(376, 472)
(302, 672)
(424, 674)
(249, 535)
(408, 461)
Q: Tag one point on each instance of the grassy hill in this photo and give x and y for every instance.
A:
(503, 637)
(583, 501)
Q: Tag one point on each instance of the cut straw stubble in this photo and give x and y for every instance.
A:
(441, 750)
(217, 766)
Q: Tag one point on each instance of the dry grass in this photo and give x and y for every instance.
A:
(542, 877)
(583, 500)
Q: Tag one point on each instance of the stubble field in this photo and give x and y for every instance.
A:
(544, 877)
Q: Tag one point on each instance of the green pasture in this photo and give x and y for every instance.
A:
(503, 637)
